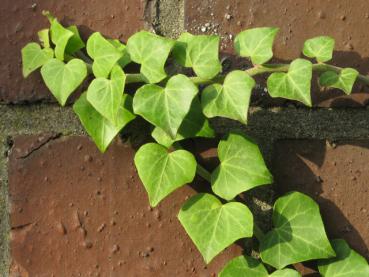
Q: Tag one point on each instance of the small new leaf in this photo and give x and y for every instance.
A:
(298, 233)
(104, 54)
(162, 172)
(33, 57)
(343, 81)
(199, 52)
(125, 59)
(105, 95)
(166, 107)
(60, 37)
(347, 263)
(101, 130)
(295, 84)
(248, 266)
(256, 44)
(213, 226)
(75, 43)
(43, 37)
(62, 79)
(320, 48)
(230, 100)
(151, 51)
(241, 167)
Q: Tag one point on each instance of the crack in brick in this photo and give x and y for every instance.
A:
(41, 142)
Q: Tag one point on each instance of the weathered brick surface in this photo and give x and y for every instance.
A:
(20, 20)
(336, 176)
(298, 21)
(76, 212)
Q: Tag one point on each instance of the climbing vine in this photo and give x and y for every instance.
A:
(178, 107)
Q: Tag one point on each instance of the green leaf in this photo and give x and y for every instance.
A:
(99, 128)
(104, 54)
(62, 79)
(230, 100)
(241, 167)
(33, 57)
(125, 59)
(60, 37)
(347, 263)
(298, 233)
(166, 107)
(75, 43)
(44, 38)
(162, 172)
(295, 84)
(213, 226)
(105, 95)
(320, 48)
(344, 81)
(151, 51)
(256, 43)
(244, 266)
(194, 124)
(199, 52)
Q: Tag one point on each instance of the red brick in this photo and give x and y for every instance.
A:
(76, 211)
(20, 23)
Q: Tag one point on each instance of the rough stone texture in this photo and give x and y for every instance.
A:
(75, 211)
(21, 19)
(298, 21)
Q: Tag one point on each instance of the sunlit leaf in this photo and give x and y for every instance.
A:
(213, 226)
(230, 100)
(241, 167)
(295, 84)
(256, 44)
(75, 43)
(125, 59)
(62, 79)
(344, 81)
(33, 57)
(44, 38)
(298, 233)
(320, 48)
(60, 37)
(162, 172)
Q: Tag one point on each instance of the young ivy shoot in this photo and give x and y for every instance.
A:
(179, 107)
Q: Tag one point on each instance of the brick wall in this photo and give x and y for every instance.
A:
(68, 210)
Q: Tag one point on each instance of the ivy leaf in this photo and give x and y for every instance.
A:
(99, 128)
(347, 263)
(230, 100)
(33, 57)
(106, 95)
(213, 226)
(298, 233)
(241, 167)
(60, 37)
(194, 124)
(247, 266)
(125, 59)
(104, 54)
(295, 84)
(151, 51)
(344, 81)
(162, 172)
(199, 52)
(75, 43)
(320, 48)
(166, 107)
(43, 37)
(62, 79)
(256, 44)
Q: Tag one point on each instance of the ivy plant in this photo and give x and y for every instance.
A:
(179, 107)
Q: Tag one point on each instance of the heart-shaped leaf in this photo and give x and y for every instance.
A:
(194, 124)
(98, 127)
(151, 51)
(344, 81)
(241, 167)
(62, 79)
(213, 226)
(247, 266)
(60, 37)
(256, 44)
(106, 95)
(320, 48)
(43, 37)
(104, 54)
(162, 172)
(33, 57)
(347, 263)
(166, 107)
(230, 100)
(199, 52)
(298, 233)
(295, 84)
